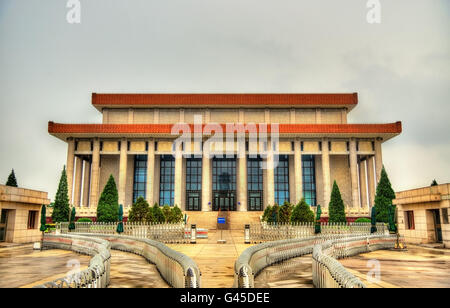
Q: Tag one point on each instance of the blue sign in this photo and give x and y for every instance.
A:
(220, 220)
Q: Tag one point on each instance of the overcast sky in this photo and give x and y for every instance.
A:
(400, 68)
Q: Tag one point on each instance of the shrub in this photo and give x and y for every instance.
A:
(84, 219)
(285, 212)
(266, 213)
(61, 210)
(302, 212)
(176, 215)
(336, 206)
(139, 210)
(274, 214)
(166, 210)
(383, 198)
(157, 214)
(363, 220)
(108, 204)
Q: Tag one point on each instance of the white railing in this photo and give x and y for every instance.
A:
(177, 269)
(265, 232)
(326, 268)
(327, 272)
(97, 275)
(165, 232)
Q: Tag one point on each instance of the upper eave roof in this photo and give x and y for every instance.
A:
(348, 100)
(63, 131)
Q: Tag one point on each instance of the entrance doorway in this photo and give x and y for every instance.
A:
(224, 184)
(3, 225)
(437, 225)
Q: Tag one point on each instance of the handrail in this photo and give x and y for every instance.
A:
(327, 272)
(325, 250)
(177, 269)
(97, 275)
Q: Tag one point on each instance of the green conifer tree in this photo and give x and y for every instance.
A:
(12, 179)
(158, 215)
(139, 210)
(108, 204)
(61, 210)
(383, 198)
(302, 212)
(336, 208)
(434, 183)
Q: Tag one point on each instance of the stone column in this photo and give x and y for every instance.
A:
(326, 173)
(371, 180)
(378, 159)
(270, 175)
(354, 173)
(206, 181)
(70, 166)
(95, 174)
(242, 178)
(363, 184)
(123, 171)
(178, 177)
(298, 171)
(86, 182)
(150, 172)
(78, 178)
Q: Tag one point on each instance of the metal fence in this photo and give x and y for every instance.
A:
(265, 232)
(170, 233)
(97, 275)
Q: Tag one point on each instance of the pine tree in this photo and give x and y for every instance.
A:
(175, 215)
(139, 210)
(434, 183)
(12, 179)
(336, 207)
(285, 212)
(158, 215)
(61, 210)
(302, 212)
(383, 198)
(108, 204)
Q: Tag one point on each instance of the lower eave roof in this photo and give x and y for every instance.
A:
(64, 131)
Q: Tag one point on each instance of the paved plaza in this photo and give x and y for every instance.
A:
(216, 261)
(21, 266)
(417, 267)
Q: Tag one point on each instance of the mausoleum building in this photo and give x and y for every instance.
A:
(308, 134)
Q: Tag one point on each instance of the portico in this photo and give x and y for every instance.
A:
(314, 147)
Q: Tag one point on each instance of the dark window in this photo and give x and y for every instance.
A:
(409, 220)
(445, 216)
(146, 146)
(76, 145)
(320, 145)
(292, 146)
(32, 218)
(167, 180)
(348, 146)
(254, 184)
(282, 180)
(194, 184)
(101, 145)
(224, 184)
(156, 146)
(329, 145)
(301, 146)
(373, 145)
(309, 179)
(128, 145)
(357, 145)
(140, 177)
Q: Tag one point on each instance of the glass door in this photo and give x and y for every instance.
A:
(224, 184)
